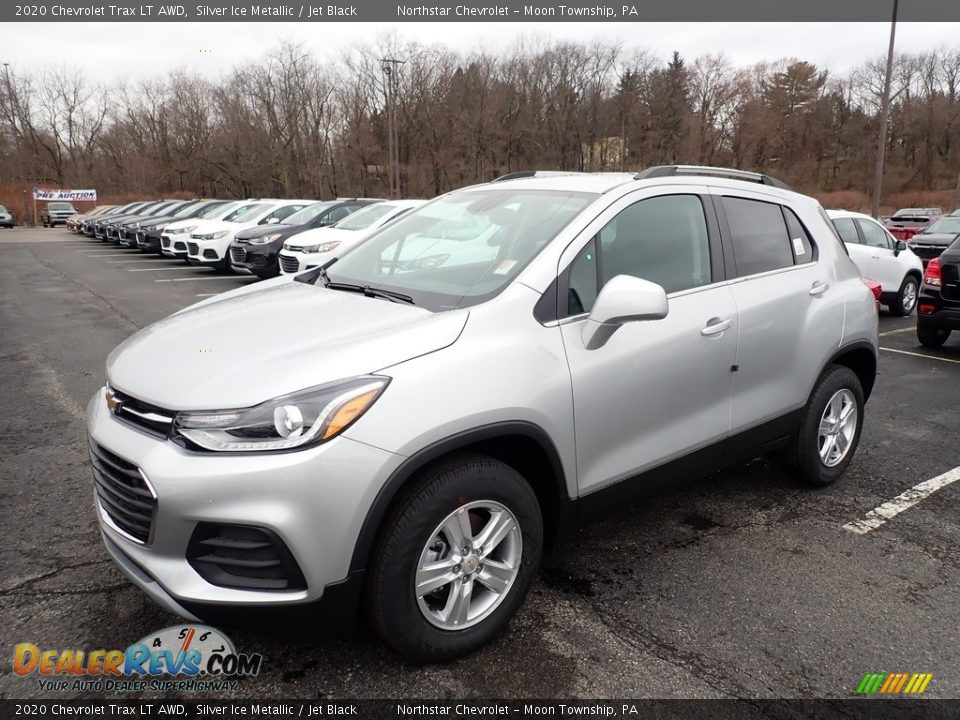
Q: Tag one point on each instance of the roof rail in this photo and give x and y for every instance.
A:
(705, 170)
(519, 174)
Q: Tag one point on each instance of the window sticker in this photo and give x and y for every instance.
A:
(504, 267)
(798, 247)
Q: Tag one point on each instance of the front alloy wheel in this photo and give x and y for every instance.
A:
(838, 426)
(468, 565)
(455, 558)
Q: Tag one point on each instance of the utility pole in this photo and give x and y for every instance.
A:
(884, 115)
(390, 68)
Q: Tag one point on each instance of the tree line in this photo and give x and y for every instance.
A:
(291, 125)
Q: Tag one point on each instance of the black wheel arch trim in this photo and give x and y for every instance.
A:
(846, 350)
(408, 468)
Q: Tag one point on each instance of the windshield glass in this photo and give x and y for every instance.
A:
(219, 210)
(162, 208)
(461, 249)
(186, 210)
(60, 206)
(246, 212)
(949, 225)
(302, 217)
(2, 209)
(364, 217)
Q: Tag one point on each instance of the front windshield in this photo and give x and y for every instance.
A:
(461, 249)
(162, 208)
(186, 210)
(218, 210)
(950, 226)
(362, 219)
(310, 212)
(245, 213)
(2, 209)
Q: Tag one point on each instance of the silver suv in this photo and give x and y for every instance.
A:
(404, 428)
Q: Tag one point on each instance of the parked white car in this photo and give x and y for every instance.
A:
(209, 243)
(312, 248)
(173, 239)
(882, 257)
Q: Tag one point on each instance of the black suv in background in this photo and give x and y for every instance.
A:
(256, 249)
(935, 238)
(938, 307)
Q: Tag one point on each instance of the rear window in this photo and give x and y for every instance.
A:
(761, 242)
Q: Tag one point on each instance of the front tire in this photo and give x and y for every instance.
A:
(455, 559)
(830, 429)
(906, 299)
(931, 337)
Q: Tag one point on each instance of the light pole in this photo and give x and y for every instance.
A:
(884, 115)
(390, 67)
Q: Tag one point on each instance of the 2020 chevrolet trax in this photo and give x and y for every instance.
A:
(406, 427)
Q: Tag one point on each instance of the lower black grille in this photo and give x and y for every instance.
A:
(141, 237)
(194, 248)
(210, 254)
(241, 556)
(165, 242)
(289, 264)
(238, 254)
(123, 493)
(179, 246)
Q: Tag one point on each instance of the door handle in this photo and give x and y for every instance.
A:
(819, 288)
(715, 326)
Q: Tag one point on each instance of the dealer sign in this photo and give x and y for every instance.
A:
(70, 195)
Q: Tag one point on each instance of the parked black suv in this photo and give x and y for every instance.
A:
(938, 308)
(256, 249)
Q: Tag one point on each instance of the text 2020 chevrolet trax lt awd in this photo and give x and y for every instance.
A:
(405, 432)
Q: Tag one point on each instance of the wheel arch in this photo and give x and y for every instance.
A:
(522, 445)
(861, 357)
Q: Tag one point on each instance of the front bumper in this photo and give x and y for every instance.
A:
(295, 262)
(148, 241)
(175, 245)
(257, 259)
(208, 252)
(314, 500)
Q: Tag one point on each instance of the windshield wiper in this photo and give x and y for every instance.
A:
(369, 291)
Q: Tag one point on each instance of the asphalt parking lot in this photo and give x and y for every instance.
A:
(740, 585)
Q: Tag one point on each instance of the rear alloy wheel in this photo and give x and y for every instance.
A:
(455, 560)
(906, 299)
(931, 337)
(830, 429)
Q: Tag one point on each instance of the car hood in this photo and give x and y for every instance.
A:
(261, 230)
(239, 350)
(935, 238)
(325, 235)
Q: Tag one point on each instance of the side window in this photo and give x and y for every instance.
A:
(582, 280)
(799, 239)
(847, 230)
(759, 235)
(338, 214)
(874, 235)
(278, 215)
(662, 239)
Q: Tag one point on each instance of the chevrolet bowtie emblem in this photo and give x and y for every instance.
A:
(113, 403)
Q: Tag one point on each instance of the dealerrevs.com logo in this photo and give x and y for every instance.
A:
(184, 658)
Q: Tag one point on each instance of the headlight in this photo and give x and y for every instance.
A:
(321, 248)
(178, 231)
(264, 240)
(158, 226)
(212, 236)
(304, 418)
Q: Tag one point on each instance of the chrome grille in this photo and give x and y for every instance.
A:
(238, 254)
(145, 416)
(193, 248)
(289, 264)
(126, 499)
(141, 237)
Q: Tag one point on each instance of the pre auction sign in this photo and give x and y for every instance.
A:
(69, 195)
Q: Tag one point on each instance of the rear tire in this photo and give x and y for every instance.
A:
(830, 429)
(454, 503)
(931, 337)
(906, 300)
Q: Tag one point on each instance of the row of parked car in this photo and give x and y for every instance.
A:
(264, 237)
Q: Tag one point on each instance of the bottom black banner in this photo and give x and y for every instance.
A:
(447, 708)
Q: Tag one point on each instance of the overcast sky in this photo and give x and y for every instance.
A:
(110, 51)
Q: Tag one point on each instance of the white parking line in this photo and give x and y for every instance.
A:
(100, 255)
(206, 294)
(921, 355)
(879, 515)
(189, 279)
(897, 332)
(155, 269)
(141, 261)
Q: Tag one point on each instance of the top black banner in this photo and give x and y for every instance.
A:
(482, 11)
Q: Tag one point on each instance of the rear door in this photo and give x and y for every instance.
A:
(885, 268)
(789, 317)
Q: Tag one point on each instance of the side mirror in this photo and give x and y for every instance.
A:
(623, 299)
(898, 247)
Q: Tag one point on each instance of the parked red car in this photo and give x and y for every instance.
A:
(907, 222)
